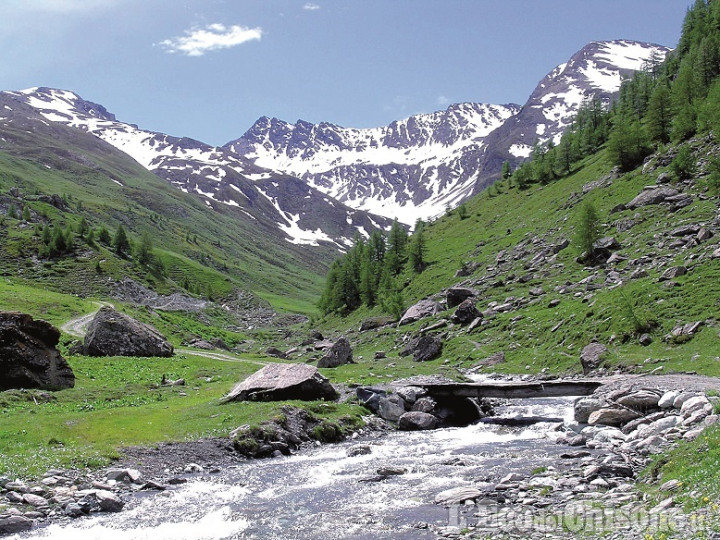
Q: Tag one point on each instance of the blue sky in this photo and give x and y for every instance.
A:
(207, 69)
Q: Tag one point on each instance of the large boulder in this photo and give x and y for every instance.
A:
(424, 308)
(466, 312)
(592, 356)
(28, 354)
(423, 348)
(416, 421)
(457, 295)
(112, 333)
(652, 196)
(340, 353)
(278, 382)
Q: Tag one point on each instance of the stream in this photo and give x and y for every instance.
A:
(322, 493)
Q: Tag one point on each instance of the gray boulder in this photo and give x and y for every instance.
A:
(391, 407)
(592, 356)
(611, 416)
(112, 333)
(466, 312)
(278, 382)
(585, 406)
(340, 353)
(416, 421)
(424, 308)
(457, 495)
(457, 295)
(672, 273)
(28, 354)
(15, 524)
(652, 196)
(376, 322)
(423, 348)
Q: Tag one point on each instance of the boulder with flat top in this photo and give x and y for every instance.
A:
(279, 382)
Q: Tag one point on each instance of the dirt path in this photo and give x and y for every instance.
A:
(224, 357)
(77, 327)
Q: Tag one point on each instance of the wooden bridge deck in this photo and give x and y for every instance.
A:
(516, 390)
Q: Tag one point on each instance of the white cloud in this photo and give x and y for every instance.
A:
(311, 7)
(198, 41)
(443, 100)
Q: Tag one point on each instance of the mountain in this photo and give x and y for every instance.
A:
(417, 167)
(413, 168)
(62, 175)
(595, 71)
(276, 201)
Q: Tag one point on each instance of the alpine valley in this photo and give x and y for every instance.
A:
(400, 319)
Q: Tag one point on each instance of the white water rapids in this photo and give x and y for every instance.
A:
(322, 493)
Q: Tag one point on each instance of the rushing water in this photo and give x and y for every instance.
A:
(322, 493)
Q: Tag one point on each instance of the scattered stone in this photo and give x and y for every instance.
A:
(379, 355)
(339, 354)
(424, 404)
(391, 407)
(34, 500)
(645, 340)
(667, 399)
(584, 407)
(376, 322)
(112, 333)
(608, 416)
(457, 495)
(359, 450)
(424, 308)
(685, 230)
(278, 382)
(466, 312)
(607, 242)
(423, 348)
(416, 420)
(457, 295)
(108, 501)
(655, 195)
(592, 356)
(15, 524)
(29, 357)
(672, 273)
(275, 353)
(670, 485)
(643, 399)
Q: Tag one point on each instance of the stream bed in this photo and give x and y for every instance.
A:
(323, 493)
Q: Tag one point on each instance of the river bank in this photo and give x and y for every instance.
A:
(483, 479)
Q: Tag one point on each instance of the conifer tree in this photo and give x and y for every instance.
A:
(121, 243)
(26, 213)
(104, 236)
(659, 114)
(416, 250)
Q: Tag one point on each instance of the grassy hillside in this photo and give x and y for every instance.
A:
(602, 302)
(207, 250)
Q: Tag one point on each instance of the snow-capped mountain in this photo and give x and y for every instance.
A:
(417, 167)
(413, 168)
(322, 183)
(224, 181)
(595, 71)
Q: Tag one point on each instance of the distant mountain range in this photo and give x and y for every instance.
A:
(320, 184)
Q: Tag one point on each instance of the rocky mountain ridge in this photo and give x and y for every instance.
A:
(417, 167)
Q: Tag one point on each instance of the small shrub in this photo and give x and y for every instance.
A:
(684, 165)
